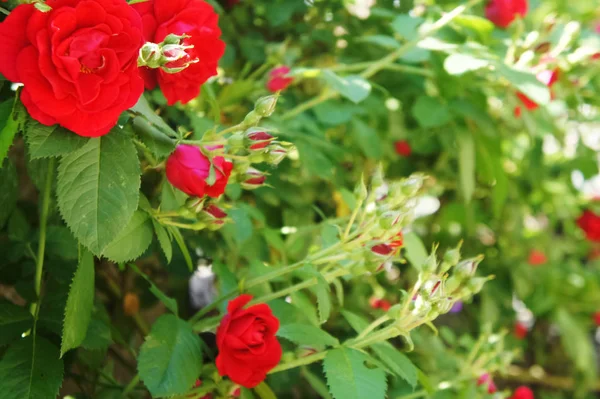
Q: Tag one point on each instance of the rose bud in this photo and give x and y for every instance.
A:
(384, 305)
(402, 148)
(277, 154)
(188, 169)
(503, 12)
(214, 216)
(537, 258)
(258, 139)
(523, 392)
(277, 79)
(520, 331)
(265, 106)
(383, 249)
(248, 347)
(486, 381)
(253, 179)
(589, 222)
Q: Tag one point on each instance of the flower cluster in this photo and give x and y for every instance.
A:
(78, 60)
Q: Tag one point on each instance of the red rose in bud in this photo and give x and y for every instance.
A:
(503, 12)
(403, 148)
(486, 380)
(248, 347)
(589, 222)
(597, 318)
(198, 20)
(537, 258)
(277, 79)
(377, 303)
(547, 77)
(398, 241)
(523, 393)
(253, 179)
(260, 140)
(236, 393)
(77, 62)
(520, 331)
(188, 169)
(382, 249)
(216, 213)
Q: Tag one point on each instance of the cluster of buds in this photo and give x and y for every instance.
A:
(205, 215)
(170, 55)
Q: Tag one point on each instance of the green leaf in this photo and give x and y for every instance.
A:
(51, 141)
(98, 336)
(349, 378)
(10, 124)
(367, 139)
(577, 344)
(381, 40)
(133, 240)
(457, 64)
(181, 243)
(264, 391)
(358, 323)
(321, 290)
(80, 304)
(415, 250)
(305, 334)
(527, 83)
(407, 26)
(60, 243)
(169, 302)
(397, 362)
(98, 189)
(28, 372)
(14, 321)
(482, 27)
(171, 199)
(430, 112)
(316, 382)
(353, 87)
(227, 280)
(163, 239)
(142, 109)
(170, 359)
(466, 164)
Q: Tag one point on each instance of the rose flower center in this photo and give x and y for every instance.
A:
(86, 48)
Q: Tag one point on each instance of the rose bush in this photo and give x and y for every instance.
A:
(309, 199)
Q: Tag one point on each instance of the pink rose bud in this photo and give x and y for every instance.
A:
(188, 169)
(278, 80)
(259, 140)
(402, 148)
(520, 331)
(503, 12)
(254, 179)
(382, 249)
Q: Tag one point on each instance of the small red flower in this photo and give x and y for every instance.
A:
(547, 77)
(486, 380)
(537, 258)
(377, 303)
(278, 79)
(520, 331)
(503, 12)
(403, 148)
(248, 347)
(523, 392)
(589, 222)
(188, 169)
(597, 318)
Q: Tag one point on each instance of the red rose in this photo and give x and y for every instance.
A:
(589, 222)
(503, 12)
(402, 148)
(188, 169)
(78, 62)
(597, 318)
(248, 348)
(537, 258)
(196, 19)
(486, 380)
(520, 331)
(278, 79)
(523, 393)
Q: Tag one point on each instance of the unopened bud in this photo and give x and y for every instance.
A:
(253, 179)
(170, 55)
(360, 191)
(475, 284)
(430, 265)
(451, 258)
(195, 204)
(213, 216)
(252, 119)
(258, 139)
(150, 55)
(277, 154)
(467, 268)
(265, 106)
(236, 141)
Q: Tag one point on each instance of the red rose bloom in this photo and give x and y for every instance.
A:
(537, 258)
(597, 318)
(196, 19)
(523, 393)
(402, 148)
(589, 222)
(278, 80)
(503, 12)
(188, 168)
(77, 62)
(248, 348)
(548, 77)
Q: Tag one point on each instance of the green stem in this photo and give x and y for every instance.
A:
(384, 62)
(373, 326)
(131, 386)
(303, 361)
(39, 266)
(4, 11)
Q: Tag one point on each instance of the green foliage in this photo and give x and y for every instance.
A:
(170, 359)
(98, 189)
(303, 334)
(14, 321)
(12, 119)
(132, 241)
(80, 302)
(50, 141)
(349, 378)
(31, 369)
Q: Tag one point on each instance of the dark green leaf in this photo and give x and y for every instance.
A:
(466, 164)
(169, 302)
(397, 362)
(407, 26)
(354, 88)
(305, 334)
(131, 242)
(429, 112)
(51, 141)
(163, 239)
(10, 126)
(14, 321)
